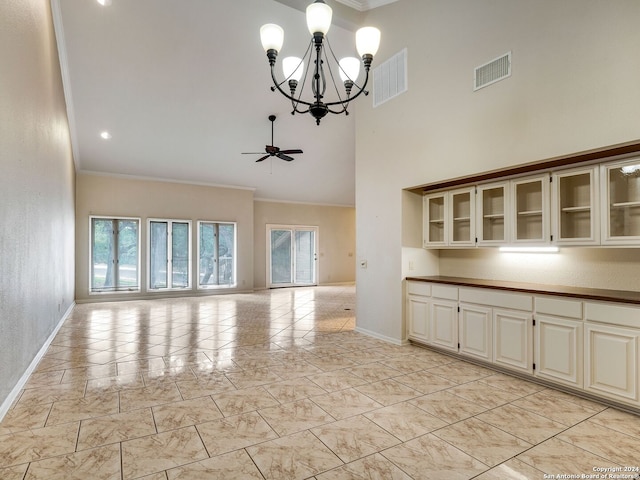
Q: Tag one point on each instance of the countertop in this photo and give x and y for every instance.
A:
(622, 296)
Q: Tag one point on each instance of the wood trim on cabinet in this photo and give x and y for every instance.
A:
(595, 155)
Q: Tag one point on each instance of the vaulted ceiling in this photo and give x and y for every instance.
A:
(183, 87)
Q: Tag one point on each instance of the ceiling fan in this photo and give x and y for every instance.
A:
(273, 151)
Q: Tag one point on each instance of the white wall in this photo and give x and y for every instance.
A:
(573, 88)
(36, 189)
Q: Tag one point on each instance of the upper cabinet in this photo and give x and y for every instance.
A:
(621, 202)
(492, 202)
(575, 207)
(461, 217)
(596, 204)
(530, 212)
(435, 208)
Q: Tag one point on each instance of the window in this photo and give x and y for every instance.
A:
(114, 255)
(169, 254)
(216, 254)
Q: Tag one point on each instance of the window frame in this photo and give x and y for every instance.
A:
(116, 291)
(170, 287)
(234, 260)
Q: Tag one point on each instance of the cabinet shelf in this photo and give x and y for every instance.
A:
(625, 204)
(494, 216)
(529, 213)
(576, 209)
(436, 221)
(462, 219)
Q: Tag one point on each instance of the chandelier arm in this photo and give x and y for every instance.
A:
(277, 87)
(360, 92)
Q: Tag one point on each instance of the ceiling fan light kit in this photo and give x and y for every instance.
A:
(273, 151)
(319, 21)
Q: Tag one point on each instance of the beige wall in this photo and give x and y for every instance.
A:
(336, 234)
(573, 88)
(104, 195)
(119, 196)
(36, 189)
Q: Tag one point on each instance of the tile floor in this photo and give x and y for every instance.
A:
(277, 385)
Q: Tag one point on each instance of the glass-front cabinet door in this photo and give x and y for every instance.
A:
(530, 212)
(461, 217)
(492, 201)
(621, 202)
(434, 209)
(575, 207)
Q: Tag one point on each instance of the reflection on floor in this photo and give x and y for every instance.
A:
(277, 385)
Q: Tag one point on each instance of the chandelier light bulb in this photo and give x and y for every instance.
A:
(367, 41)
(319, 17)
(272, 37)
(293, 68)
(349, 68)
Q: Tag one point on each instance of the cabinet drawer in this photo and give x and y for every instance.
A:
(419, 288)
(485, 296)
(444, 291)
(559, 306)
(612, 313)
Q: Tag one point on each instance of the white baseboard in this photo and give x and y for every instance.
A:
(370, 333)
(6, 405)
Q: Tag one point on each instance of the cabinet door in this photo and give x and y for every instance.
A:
(435, 209)
(475, 331)
(462, 217)
(621, 203)
(512, 342)
(418, 310)
(575, 207)
(530, 210)
(492, 205)
(444, 324)
(558, 349)
(611, 362)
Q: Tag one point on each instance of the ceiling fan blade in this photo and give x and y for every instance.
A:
(252, 153)
(284, 157)
(262, 158)
(295, 150)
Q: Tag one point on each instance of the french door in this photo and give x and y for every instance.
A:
(291, 255)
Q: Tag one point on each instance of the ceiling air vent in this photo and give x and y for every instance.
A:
(492, 72)
(390, 78)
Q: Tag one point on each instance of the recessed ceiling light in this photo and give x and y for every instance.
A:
(104, 3)
(105, 135)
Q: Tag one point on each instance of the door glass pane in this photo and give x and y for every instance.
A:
(103, 253)
(127, 254)
(305, 256)
(624, 201)
(180, 255)
(226, 244)
(158, 255)
(281, 257)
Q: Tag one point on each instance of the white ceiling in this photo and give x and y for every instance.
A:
(184, 88)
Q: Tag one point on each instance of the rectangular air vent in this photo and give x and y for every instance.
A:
(390, 78)
(492, 72)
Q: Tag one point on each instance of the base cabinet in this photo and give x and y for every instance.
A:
(444, 324)
(611, 361)
(475, 331)
(418, 312)
(587, 345)
(558, 350)
(512, 340)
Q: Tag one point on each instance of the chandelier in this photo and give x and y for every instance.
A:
(318, 21)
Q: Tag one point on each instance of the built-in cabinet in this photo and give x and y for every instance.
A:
(593, 346)
(621, 202)
(589, 205)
